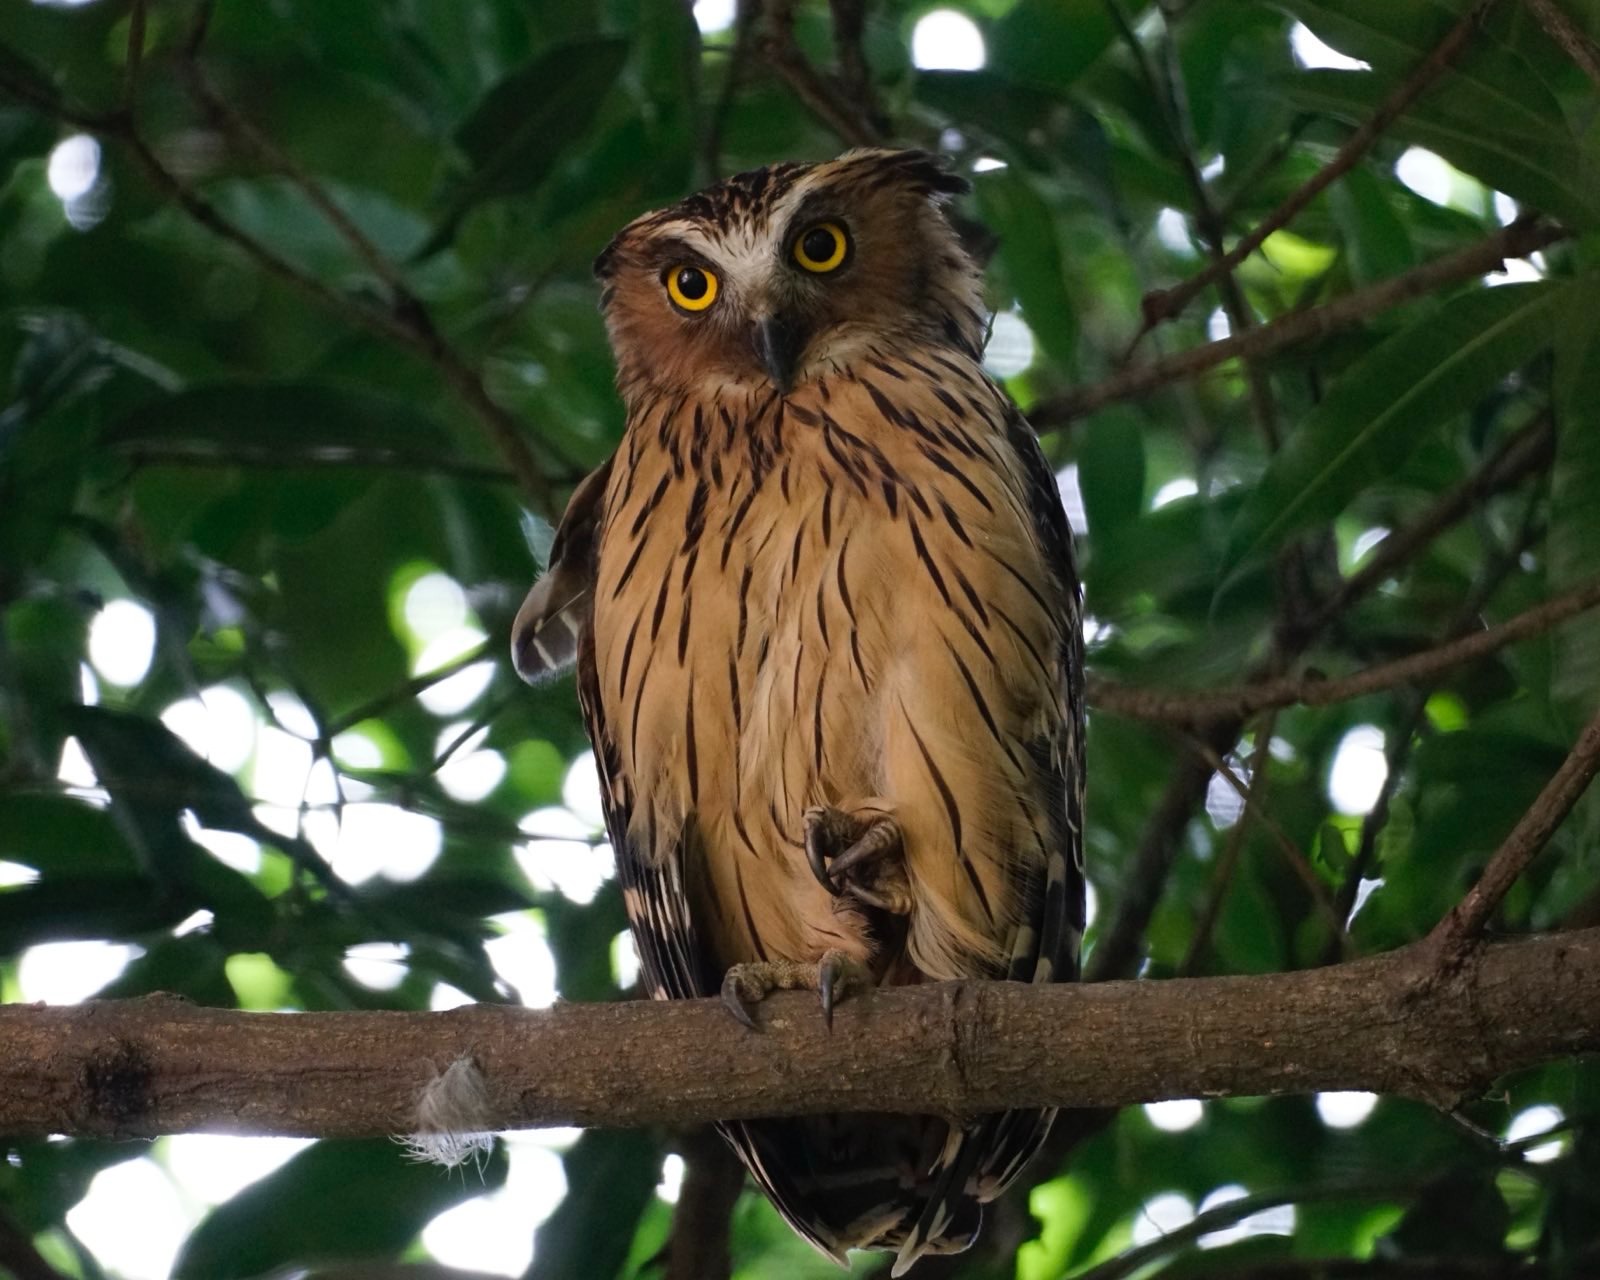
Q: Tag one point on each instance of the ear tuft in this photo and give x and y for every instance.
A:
(930, 173)
(606, 263)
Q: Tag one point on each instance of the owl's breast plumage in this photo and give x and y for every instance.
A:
(834, 598)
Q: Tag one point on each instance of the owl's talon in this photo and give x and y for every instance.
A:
(880, 839)
(733, 999)
(831, 978)
(822, 832)
(866, 868)
(838, 974)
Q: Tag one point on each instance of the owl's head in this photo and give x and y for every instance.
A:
(781, 274)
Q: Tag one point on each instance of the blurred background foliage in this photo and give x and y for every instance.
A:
(268, 291)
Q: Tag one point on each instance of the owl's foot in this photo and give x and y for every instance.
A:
(831, 978)
(859, 854)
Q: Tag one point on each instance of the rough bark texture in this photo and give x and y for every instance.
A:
(1390, 1024)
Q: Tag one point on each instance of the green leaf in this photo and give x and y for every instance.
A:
(1384, 406)
(1536, 161)
(335, 1200)
(57, 834)
(1394, 38)
(521, 126)
(1032, 259)
(1376, 237)
(1575, 481)
(154, 780)
(1111, 471)
(33, 87)
(1050, 42)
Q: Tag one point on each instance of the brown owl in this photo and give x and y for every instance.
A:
(826, 620)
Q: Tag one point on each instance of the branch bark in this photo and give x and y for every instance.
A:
(160, 1065)
(1569, 35)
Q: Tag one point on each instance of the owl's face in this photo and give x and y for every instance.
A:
(781, 274)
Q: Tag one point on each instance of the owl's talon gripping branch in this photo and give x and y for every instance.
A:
(834, 976)
(839, 843)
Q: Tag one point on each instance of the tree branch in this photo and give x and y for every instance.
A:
(1460, 928)
(1203, 706)
(160, 1065)
(789, 62)
(1526, 450)
(712, 1181)
(1165, 304)
(1515, 240)
(1566, 33)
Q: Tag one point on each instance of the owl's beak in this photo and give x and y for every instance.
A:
(778, 342)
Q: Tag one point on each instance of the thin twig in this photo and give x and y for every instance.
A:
(1168, 303)
(1397, 752)
(407, 325)
(1515, 240)
(1293, 854)
(1231, 1212)
(745, 17)
(1227, 864)
(784, 55)
(1228, 704)
(1566, 33)
(1116, 954)
(404, 692)
(1455, 934)
(235, 125)
(135, 63)
(1165, 88)
(855, 76)
(1527, 449)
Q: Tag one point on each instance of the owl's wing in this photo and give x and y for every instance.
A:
(978, 1163)
(544, 637)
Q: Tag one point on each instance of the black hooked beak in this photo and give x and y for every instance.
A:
(779, 342)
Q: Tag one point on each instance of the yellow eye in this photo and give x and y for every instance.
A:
(822, 248)
(692, 288)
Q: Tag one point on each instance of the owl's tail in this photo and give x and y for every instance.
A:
(909, 1185)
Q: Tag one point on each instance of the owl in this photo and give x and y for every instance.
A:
(825, 615)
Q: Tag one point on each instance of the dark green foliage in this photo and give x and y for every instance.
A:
(269, 467)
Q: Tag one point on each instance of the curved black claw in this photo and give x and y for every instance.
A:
(837, 975)
(822, 837)
(828, 974)
(733, 998)
(878, 840)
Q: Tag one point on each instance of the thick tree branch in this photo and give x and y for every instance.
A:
(1167, 303)
(161, 1065)
(1515, 240)
(1227, 705)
